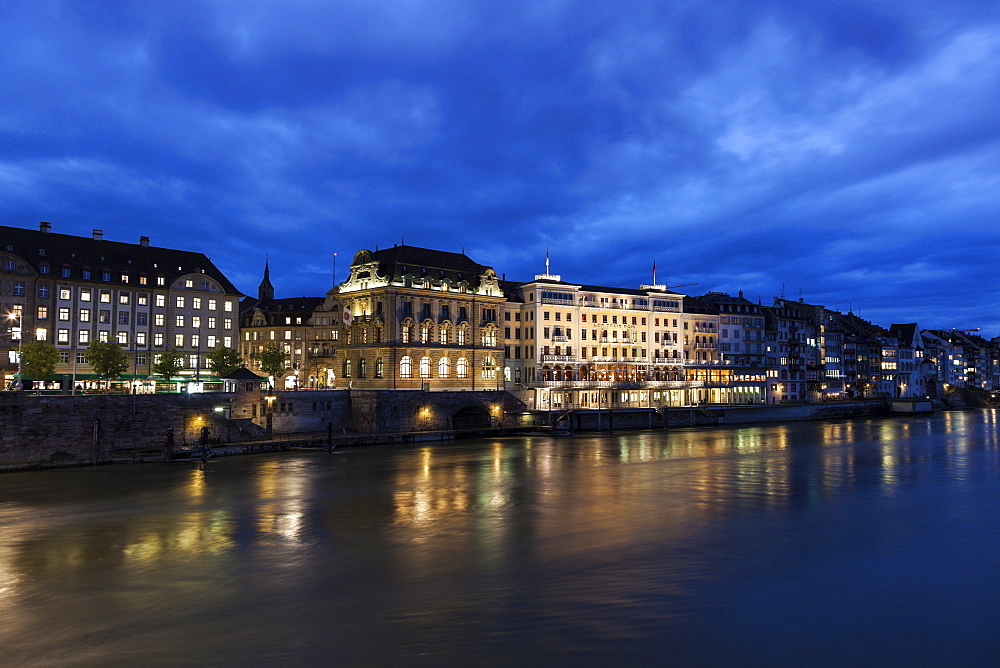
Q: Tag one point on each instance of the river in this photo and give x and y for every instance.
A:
(866, 541)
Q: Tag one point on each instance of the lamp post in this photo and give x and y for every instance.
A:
(19, 316)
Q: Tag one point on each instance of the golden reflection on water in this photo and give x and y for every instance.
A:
(556, 500)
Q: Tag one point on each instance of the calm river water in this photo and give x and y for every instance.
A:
(862, 542)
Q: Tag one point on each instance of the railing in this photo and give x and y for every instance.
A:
(558, 358)
(615, 384)
(560, 339)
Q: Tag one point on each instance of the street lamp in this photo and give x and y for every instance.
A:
(19, 316)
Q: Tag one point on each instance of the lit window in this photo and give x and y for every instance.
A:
(425, 367)
(443, 367)
(405, 369)
(461, 368)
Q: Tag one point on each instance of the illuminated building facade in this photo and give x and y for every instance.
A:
(72, 290)
(584, 346)
(416, 318)
(293, 323)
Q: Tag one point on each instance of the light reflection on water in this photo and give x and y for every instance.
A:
(853, 541)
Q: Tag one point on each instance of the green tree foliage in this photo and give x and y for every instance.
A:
(169, 364)
(39, 359)
(223, 360)
(272, 359)
(107, 359)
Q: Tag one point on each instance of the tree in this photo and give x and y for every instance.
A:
(169, 364)
(39, 359)
(272, 359)
(223, 360)
(107, 359)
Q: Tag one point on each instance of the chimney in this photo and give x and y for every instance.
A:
(144, 242)
(98, 235)
(44, 227)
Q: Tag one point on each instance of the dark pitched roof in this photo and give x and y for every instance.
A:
(98, 255)
(244, 373)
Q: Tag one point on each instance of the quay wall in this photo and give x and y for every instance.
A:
(62, 430)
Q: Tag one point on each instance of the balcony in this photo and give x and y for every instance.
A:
(560, 339)
(616, 384)
(558, 358)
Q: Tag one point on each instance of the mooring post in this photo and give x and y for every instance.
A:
(170, 446)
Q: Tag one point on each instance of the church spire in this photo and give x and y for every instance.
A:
(265, 291)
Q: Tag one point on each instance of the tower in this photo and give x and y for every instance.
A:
(265, 291)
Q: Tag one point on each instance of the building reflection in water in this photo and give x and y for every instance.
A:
(449, 516)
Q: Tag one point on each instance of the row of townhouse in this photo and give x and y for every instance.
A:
(415, 318)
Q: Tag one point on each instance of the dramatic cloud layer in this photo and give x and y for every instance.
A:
(844, 151)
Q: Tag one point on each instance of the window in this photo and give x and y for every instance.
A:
(462, 368)
(43, 292)
(195, 340)
(123, 338)
(425, 367)
(196, 302)
(179, 302)
(123, 317)
(105, 297)
(160, 280)
(379, 368)
(64, 313)
(443, 336)
(43, 313)
(140, 338)
(195, 321)
(211, 340)
(140, 359)
(211, 322)
(43, 268)
(85, 274)
(443, 367)
(18, 289)
(41, 334)
(229, 305)
(123, 298)
(85, 295)
(124, 278)
(179, 321)
(84, 315)
(179, 340)
(140, 319)
(84, 336)
(142, 280)
(159, 319)
(81, 358)
(228, 323)
(461, 336)
(211, 305)
(188, 283)
(104, 317)
(405, 368)
(158, 339)
(105, 275)
(64, 357)
(64, 293)
(363, 368)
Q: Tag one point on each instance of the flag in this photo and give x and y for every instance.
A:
(347, 317)
(654, 272)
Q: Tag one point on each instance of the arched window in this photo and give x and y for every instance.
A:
(425, 333)
(443, 367)
(461, 335)
(489, 368)
(443, 334)
(363, 368)
(405, 367)
(462, 368)
(347, 368)
(425, 367)
(379, 368)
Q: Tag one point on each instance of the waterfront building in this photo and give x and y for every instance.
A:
(416, 318)
(71, 290)
(296, 324)
(571, 345)
(792, 353)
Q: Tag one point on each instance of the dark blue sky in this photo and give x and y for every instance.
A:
(847, 150)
